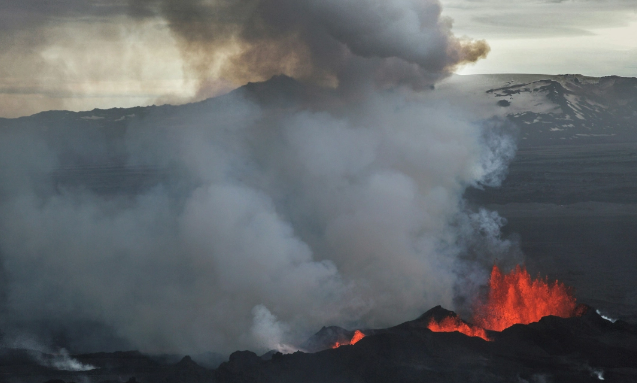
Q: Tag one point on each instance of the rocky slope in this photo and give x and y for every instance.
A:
(580, 349)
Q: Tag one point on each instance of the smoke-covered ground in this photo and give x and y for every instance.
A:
(245, 221)
(249, 220)
(111, 238)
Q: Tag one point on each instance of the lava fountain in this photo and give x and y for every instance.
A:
(514, 298)
(358, 335)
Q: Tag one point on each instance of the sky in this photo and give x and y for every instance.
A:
(80, 55)
(590, 37)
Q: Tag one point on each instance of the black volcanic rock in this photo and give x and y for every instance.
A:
(269, 355)
(437, 313)
(578, 349)
(186, 370)
(556, 349)
(278, 91)
(326, 337)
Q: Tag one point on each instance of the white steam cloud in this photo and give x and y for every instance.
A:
(269, 212)
(59, 360)
(269, 331)
(612, 320)
(351, 215)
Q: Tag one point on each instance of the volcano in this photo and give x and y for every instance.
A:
(576, 349)
(526, 330)
(570, 195)
(513, 298)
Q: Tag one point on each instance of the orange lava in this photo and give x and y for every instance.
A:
(516, 298)
(513, 298)
(358, 335)
(451, 324)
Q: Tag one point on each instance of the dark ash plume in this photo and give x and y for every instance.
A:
(326, 42)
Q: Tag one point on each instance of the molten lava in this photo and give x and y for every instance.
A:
(358, 335)
(513, 298)
(451, 324)
(516, 298)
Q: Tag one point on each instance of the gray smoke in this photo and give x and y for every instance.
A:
(350, 215)
(269, 212)
(327, 42)
(59, 360)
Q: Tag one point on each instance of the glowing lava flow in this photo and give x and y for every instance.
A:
(358, 335)
(451, 324)
(513, 298)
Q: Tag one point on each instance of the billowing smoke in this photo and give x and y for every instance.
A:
(328, 42)
(251, 220)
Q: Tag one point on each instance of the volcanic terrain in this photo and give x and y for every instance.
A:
(570, 199)
(578, 349)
